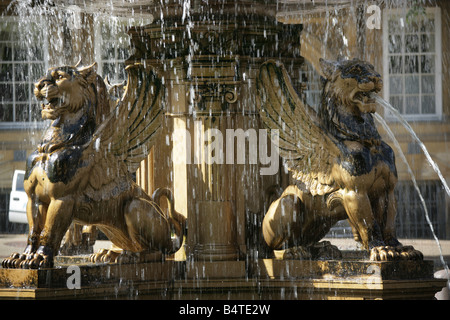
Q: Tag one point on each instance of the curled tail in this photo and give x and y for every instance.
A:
(176, 220)
(272, 193)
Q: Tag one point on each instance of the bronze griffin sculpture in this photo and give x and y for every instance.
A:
(339, 165)
(81, 170)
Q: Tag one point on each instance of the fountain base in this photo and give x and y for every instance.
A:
(265, 279)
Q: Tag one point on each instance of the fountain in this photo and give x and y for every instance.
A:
(211, 82)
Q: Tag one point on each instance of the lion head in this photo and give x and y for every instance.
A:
(66, 89)
(351, 83)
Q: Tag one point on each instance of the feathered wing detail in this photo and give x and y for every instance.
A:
(128, 131)
(309, 152)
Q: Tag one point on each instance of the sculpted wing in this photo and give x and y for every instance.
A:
(137, 118)
(128, 132)
(309, 152)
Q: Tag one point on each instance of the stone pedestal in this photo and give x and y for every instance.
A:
(96, 281)
(208, 61)
(265, 279)
(217, 240)
(347, 279)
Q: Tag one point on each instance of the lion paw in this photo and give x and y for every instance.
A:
(409, 253)
(123, 256)
(296, 253)
(388, 253)
(11, 261)
(27, 261)
(384, 253)
(324, 250)
(319, 251)
(105, 255)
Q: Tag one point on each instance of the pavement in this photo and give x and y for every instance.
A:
(10, 243)
(429, 247)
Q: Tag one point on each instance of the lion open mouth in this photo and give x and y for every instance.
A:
(50, 108)
(51, 103)
(365, 97)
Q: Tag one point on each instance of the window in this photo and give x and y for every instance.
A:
(313, 90)
(112, 46)
(411, 221)
(412, 63)
(111, 49)
(23, 59)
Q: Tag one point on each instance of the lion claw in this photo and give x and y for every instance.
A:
(9, 262)
(124, 256)
(105, 256)
(409, 253)
(388, 253)
(297, 253)
(27, 261)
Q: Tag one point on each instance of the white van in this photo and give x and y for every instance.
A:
(18, 199)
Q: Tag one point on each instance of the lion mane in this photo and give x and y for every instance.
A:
(68, 89)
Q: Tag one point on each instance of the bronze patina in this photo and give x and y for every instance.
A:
(82, 170)
(339, 165)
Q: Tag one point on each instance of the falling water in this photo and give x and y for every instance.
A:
(433, 164)
(61, 12)
(391, 135)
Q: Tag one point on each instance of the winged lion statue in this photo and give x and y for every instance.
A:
(82, 169)
(340, 167)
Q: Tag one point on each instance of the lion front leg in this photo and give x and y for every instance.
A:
(361, 216)
(55, 221)
(385, 210)
(36, 213)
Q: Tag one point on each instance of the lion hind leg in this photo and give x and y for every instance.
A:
(323, 250)
(143, 236)
(148, 229)
(280, 221)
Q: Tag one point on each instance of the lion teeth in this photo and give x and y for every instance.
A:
(365, 97)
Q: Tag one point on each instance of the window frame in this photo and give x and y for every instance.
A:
(437, 116)
(30, 123)
(98, 41)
